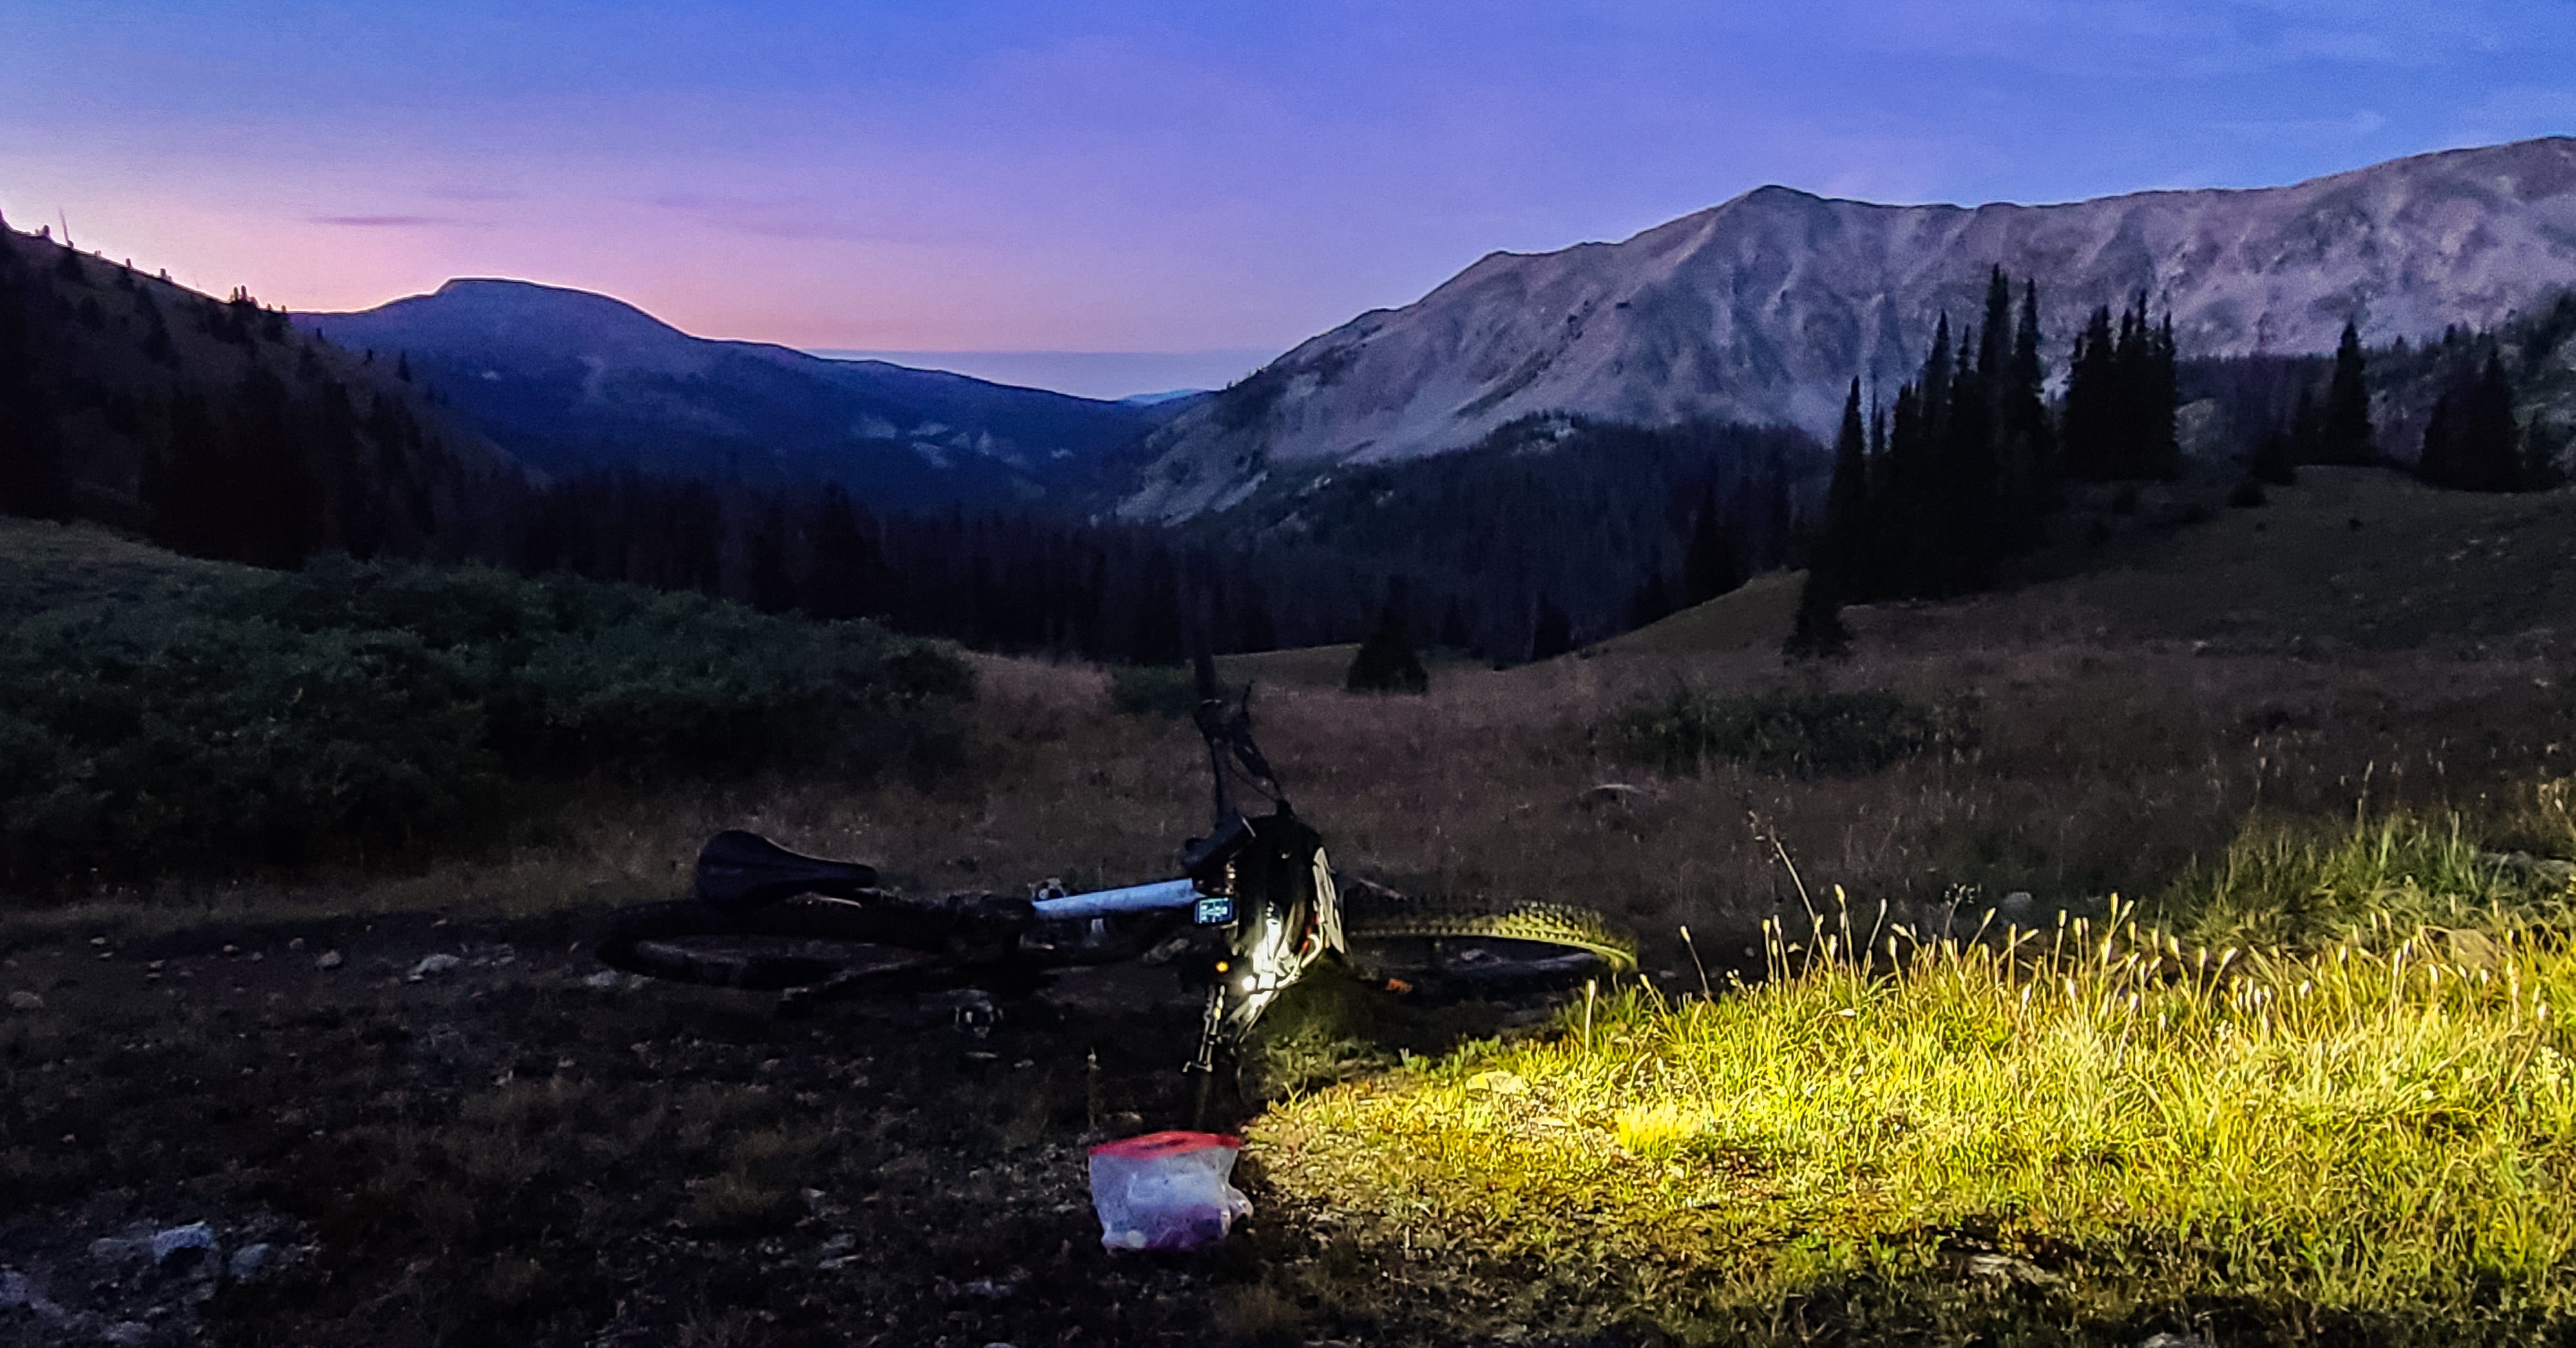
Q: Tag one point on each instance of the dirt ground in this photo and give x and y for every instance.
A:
(523, 1149)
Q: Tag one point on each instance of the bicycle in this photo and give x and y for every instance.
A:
(1257, 905)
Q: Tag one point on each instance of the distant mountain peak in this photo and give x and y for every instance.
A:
(1761, 309)
(576, 381)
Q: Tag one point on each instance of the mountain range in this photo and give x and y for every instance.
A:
(1763, 309)
(572, 382)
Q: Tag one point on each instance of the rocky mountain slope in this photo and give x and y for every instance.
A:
(1764, 308)
(571, 381)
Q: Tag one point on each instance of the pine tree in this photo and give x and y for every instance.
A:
(2490, 442)
(1713, 566)
(2092, 413)
(1841, 560)
(2275, 459)
(1385, 661)
(2345, 436)
(1818, 631)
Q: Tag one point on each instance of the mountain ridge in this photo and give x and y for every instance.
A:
(574, 381)
(1762, 308)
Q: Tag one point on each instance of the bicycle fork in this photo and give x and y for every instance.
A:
(1211, 1029)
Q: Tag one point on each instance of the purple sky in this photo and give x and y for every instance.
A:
(1060, 176)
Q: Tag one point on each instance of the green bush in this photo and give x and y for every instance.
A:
(1153, 690)
(348, 711)
(1785, 732)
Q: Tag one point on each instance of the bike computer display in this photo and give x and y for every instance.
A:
(1212, 910)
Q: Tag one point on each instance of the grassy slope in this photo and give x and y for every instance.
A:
(2350, 557)
(46, 566)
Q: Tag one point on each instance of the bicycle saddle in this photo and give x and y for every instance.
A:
(738, 869)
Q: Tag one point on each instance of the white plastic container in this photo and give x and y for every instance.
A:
(1166, 1191)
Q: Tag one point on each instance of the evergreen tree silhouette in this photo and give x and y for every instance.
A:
(1839, 570)
(2345, 436)
(1385, 661)
(1713, 566)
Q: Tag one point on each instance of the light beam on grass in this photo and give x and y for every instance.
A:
(2377, 1126)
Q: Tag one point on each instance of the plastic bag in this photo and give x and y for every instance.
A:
(1166, 1191)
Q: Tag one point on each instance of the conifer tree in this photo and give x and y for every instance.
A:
(1385, 661)
(2490, 442)
(1713, 565)
(2275, 459)
(2345, 436)
(1841, 561)
(1818, 631)
(2092, 412)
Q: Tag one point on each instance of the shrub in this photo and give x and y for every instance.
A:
(1785, 732)
(348, 711)
(1153, 690)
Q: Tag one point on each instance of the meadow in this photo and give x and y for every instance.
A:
(2302, 1080)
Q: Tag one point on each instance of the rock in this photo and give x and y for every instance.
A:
(194, 1240)
(603, 980)
(15, 1290)
(250, 1262)
(25, 1001)
(126, 1332)
(434, 964)
(2009, 1269)
(328, 959)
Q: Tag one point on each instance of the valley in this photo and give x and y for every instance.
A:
(2097, 838)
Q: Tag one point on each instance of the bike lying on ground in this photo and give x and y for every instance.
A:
(1257, 904)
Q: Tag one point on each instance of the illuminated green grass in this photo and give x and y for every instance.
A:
(2088, 1126)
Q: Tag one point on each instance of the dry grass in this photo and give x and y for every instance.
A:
(2378, 1132)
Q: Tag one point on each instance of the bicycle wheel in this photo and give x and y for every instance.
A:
(766, 949)
(1480, 942)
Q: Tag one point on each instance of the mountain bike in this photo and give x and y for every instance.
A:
(1256, 905)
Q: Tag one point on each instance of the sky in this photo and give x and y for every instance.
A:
(1204, 182)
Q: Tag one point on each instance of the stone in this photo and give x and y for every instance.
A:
(23, 1000)
(193, 1240)
(251, 1261)
(328, 959)
(15, 1291)
(603, 980)
(431, 965)
(126, 1332)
